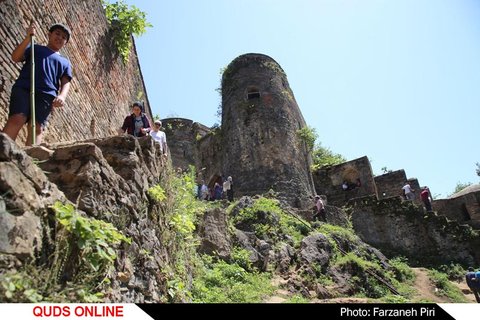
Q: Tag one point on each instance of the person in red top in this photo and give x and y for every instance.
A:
(426, 198)
(137, 123)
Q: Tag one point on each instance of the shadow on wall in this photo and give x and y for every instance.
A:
(104, 51)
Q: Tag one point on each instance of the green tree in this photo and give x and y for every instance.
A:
(460, 186)
(125, 20)
(478, 169)
(323, 156)
(308, 135)
(386, 170)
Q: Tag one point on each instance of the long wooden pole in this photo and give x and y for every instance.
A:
(33, 122)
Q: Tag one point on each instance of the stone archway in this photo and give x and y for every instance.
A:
(213, 179)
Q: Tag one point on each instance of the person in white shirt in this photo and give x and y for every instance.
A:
(159, 136)
(319, 209)
(228, 188)
(408, 192)
(204, 191)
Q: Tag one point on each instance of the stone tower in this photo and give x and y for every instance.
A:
(260, 119)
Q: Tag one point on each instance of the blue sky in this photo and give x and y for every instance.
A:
(397, 81)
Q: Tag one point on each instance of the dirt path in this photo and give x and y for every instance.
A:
(466, 291)
(424, 287)
(280, 295)
(426, 290)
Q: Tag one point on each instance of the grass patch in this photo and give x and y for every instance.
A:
(268, 220)
(454, 271)
(445, 287)
(221, 282)
(297, 299)
(340, 232)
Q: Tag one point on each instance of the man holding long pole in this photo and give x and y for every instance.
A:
(43, 83)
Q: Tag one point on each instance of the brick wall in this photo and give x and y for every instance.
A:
(103, 87)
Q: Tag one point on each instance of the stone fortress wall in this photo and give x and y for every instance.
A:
(463, 207)
(258, 145)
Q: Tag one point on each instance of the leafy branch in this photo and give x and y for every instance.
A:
(125, 20)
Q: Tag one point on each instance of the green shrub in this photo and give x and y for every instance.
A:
(90, 242)
(184, 208)
(454, 271)
(445, 287)
(242, 258)
(19, 286)
(401, 270)
(308, 135)
(351, 259)
(157, 193)
(297, 299)
(267, 219)
(94, 238)
(220, 282)
(125, 21)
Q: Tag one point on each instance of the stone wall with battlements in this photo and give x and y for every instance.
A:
(356, 173)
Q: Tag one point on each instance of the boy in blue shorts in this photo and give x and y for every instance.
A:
(53, 73)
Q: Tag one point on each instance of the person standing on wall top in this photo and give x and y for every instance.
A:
(426, 198)
(159, 136)
(137, 123)
(408, 191)
(53, 74)
(473, 281)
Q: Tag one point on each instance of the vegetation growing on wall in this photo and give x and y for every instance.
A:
(274, 67)
(325, 157)
(321, 156)
(84, 246)
(94, 238)
(308, 135)
(125, 20)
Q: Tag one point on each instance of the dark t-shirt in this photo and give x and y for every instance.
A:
(473, 280)
(50, 67)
